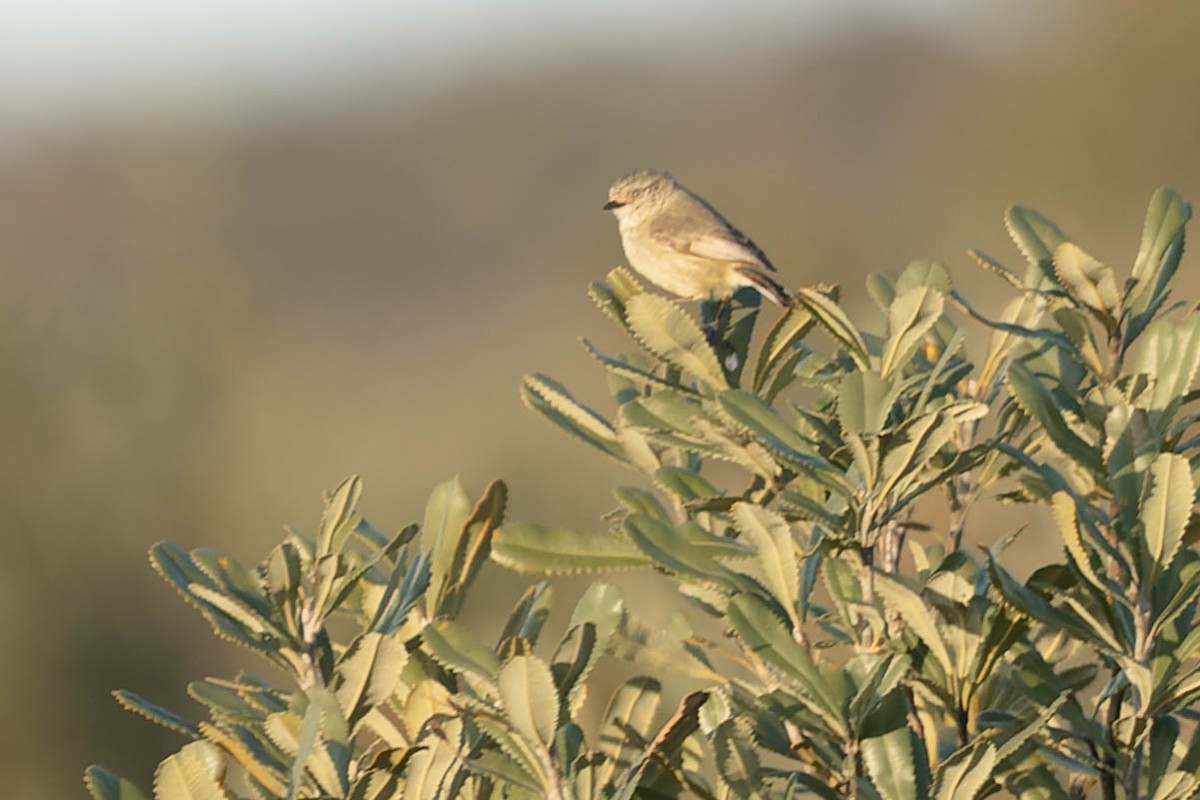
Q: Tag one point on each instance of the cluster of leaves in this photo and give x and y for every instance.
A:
(404, 701)
(863, 652)
(863, 673)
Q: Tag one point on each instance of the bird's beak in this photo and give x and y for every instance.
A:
(611, 204)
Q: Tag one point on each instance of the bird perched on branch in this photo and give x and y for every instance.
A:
(679, 242)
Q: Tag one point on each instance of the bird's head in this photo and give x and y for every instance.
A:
(639, 193)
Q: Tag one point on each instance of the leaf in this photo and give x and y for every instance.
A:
(765, 636)
(528, 695)
(1157, 259)
(196, 772)
(1167, 508)
(1037, 401)
(550, 399)
(104, 784)
(453, 646)
(1086, 279)
(528, 548)
(889, 762)
(1063, 508)
(1037, 238)
(473, 546)
(772, 538)
(865, 402)
(369, 671)
(910, 317)
(156, 713)
(666, 330)
(445, 512)
(791, 328)
(963, 775)
(685, 484)
(1169, 353)
(918, 615)
(835, 321)
(665, 744)
(337, 516)
(625, 725)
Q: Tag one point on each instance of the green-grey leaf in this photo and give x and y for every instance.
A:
(457, 649)
(889, 762)
(1037, 401)
(528, 548)
(550, 399)
(670, 333)
(528, 694)
(196, 772)
(963, 775)
(918, 615)
(1086, 279)
(791, 328)
(445, 512)
(1037, 238)
(104, 784)
(369, 671)
(835, 321)
(337, 516)
(1167, 508)
(771, 536)
(155, 713)
(865, 401)
(910, 317)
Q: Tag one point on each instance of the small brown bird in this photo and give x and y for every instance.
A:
(682, 244)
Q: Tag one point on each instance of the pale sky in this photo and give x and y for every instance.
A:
(60, 58)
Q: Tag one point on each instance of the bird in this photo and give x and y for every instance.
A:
(679, 242)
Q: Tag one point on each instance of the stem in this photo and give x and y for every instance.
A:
(1108, 782)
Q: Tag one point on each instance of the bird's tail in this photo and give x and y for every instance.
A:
(767, 286)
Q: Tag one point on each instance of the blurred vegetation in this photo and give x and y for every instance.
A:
(205, 323)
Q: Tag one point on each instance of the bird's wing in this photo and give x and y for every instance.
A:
(712, 237)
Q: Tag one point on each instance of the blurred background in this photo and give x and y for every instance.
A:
(248, 249)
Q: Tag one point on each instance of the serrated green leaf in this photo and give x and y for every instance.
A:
(1169, 353)
(155, 713)
(368, 673)
(889, 762)
(473, 545)
(918, 615)
(1086, 279)
(1157, 259)
(771, 536)
(1167, 508)
(835, 321)
(1063, 509)
(625, 726)
(528, 695)
(528, 548)
(963, 775)
(1037, 401)
(338, 516)
(453, 646)
(766, 636)
(669, 332)
(550, 399)
(995, 267)
(446, 511)
(1037, 238)
(791, 328)
(196, 772)
(685, 484)
(104, 784)
(910, 317)
(864, 402)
